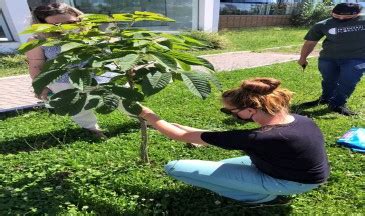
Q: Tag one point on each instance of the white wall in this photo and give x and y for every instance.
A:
(209, 15)
(18, 17)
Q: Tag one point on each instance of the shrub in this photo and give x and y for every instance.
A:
(309, 13)
(213, 40)
(12, 61)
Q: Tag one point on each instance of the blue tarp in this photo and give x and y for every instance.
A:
(354, 139)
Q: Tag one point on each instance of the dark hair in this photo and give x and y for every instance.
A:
(40, 13)
(347, 9)
(259, 93)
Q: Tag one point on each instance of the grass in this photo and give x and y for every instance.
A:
(49, 166)
(259, 39)
(12, 65)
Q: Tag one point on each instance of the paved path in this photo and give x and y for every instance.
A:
(17, 93)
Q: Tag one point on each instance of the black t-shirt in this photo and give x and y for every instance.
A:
(293, 151)
(343, 40)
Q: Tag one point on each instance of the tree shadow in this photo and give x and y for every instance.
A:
(190, 200)
(61, 137)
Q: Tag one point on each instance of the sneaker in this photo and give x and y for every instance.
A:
(98, 134)
(317, 102)
(343, 110)
(278, 201)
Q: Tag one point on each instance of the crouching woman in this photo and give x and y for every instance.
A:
(285, 155)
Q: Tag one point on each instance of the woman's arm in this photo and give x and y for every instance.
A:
(36, 60)
(170, 130)
(187, 128)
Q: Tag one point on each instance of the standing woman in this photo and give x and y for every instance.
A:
(285, 155)
(58, 13)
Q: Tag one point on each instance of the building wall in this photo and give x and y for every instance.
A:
(242, 21)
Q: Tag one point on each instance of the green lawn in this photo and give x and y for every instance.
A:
(50, 166)
(259, 39)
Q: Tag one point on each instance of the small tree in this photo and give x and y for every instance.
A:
(145, 63)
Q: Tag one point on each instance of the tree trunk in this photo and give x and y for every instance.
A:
(144, 141)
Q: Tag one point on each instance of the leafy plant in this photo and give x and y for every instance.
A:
(309, 13)
(145, 62)
(213, 40)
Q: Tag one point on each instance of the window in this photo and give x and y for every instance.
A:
(258, 7)
(181, 11)
(4, 29)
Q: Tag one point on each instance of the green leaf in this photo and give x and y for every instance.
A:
(40, 28)
(213, 80)
(92, 103)
(25, 47)
(197, 84)
(132, 107)
(71, 45)
(150, 16)
(153, 83)
(45, 78)
(109, 103)
(183, 65)
(193, 41)
(127, 62)
(69, 101)
(81, 78)
(164, 59)
(97, 18)
(127, 93)
(123, 17)
(191, 60)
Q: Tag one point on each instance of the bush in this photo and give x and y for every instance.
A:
(309, 13)
(214, 40)
(12, 61)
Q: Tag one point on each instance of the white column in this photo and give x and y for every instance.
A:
(18, 17)
(209, 15)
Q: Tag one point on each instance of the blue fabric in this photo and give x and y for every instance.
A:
(340, 77)
(354, 139)
(235, 178)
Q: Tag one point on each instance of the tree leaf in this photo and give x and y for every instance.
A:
(132, 107)
(153, 83)
(81, 78)
(127, 62)
(213, 80)
(71, 45)
(191, 60)
(45, 78)
(127, 93)
(109, 103)
(69, 101)
(183, 65)
(25, 47)
(164, 59)
(123, 17)
(150, 16)
(197, 84)
(92, 103)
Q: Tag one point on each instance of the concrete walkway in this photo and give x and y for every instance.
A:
(17, 92)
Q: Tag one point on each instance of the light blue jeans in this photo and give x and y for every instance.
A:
(235, 178)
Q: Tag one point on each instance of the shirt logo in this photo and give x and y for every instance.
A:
(341, 30)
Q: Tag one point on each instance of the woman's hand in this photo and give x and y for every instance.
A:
(145, 112)
(44, 94)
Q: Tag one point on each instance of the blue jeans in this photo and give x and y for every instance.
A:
(235, 178)
(339, 79)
